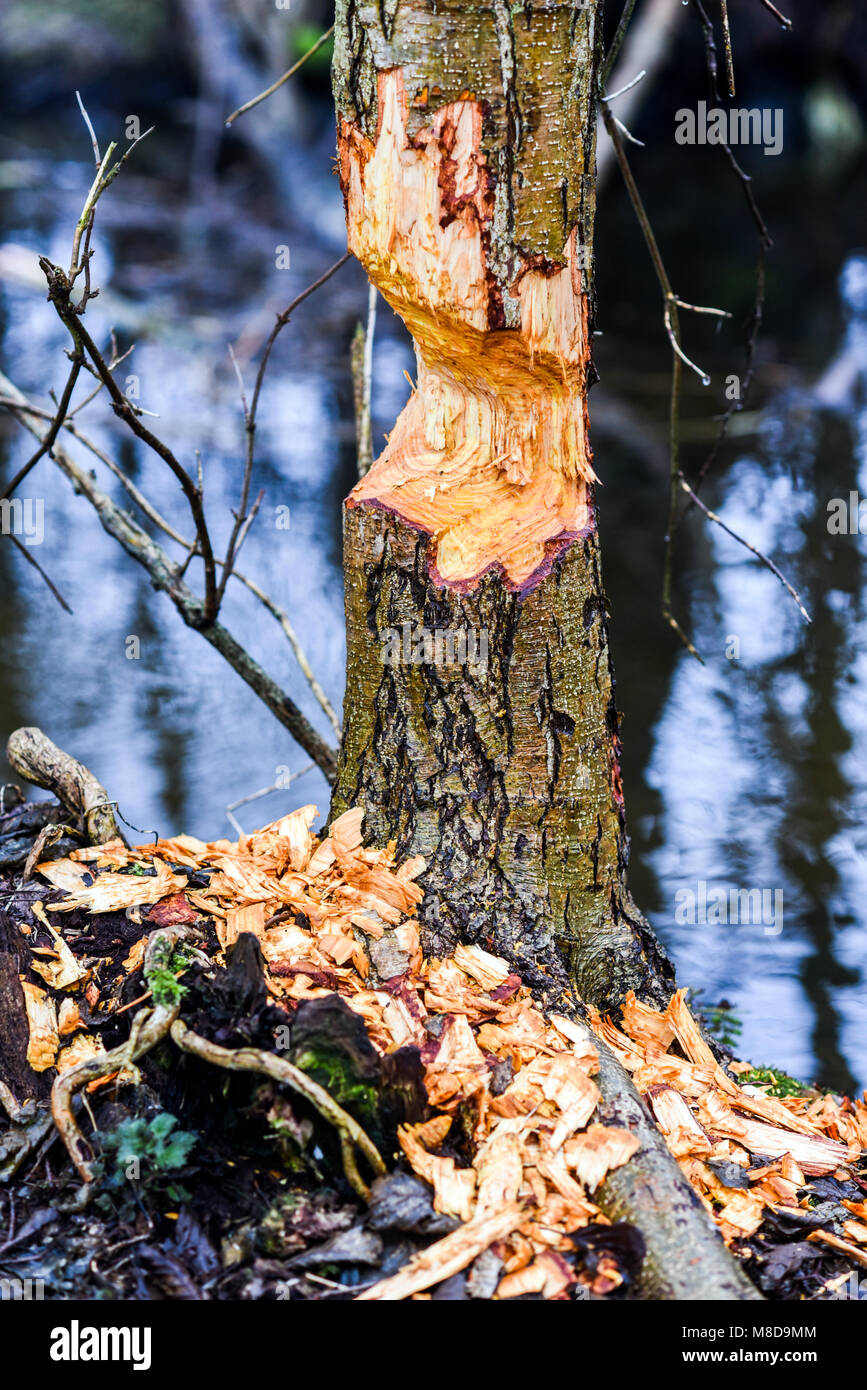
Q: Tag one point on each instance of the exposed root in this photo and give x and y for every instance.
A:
(352, 1136)
(149, 1028)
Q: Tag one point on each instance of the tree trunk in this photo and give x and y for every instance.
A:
(481, 729)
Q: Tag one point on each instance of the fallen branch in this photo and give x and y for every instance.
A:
(651, 1192)
(40, 762)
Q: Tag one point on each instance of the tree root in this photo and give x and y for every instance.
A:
(151, 1026)
(148, 1028)
(352, 1136)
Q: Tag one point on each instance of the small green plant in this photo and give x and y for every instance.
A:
(147, 1151)
(775, 1082)
(162, 975)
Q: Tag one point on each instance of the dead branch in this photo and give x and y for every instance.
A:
(165, 576)
(40, 762)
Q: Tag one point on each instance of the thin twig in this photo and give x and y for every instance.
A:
(54, 429)
(269, 91)
(624, 130)
(765, 243)
(672, 325)
(712, 516)
(31, 560)
(610, 96)
(616, 43)
(772, 9)
(250, 411)
(263, 791)
(727, 45)
(97, 157)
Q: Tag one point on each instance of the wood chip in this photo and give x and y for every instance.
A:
(42, 1020)
(447, 1256)
(593, 1155)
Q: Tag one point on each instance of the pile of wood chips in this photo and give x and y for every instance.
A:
(333, 916)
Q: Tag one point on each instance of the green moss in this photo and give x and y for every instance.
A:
(337, 1072)
(162, 975)
(776, 1082)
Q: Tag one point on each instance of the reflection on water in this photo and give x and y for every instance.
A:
(747, 773)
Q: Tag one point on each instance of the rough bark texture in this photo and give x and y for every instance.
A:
(481, 729)
(466, 146)
(505, 777)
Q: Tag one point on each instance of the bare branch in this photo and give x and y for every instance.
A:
(18, 402)
(31, 560)
(772, 9)
(727, 46)
(165, 576)
(59, 291)
(616, 43)
(97, 157)
(269, 91)
(712, 516)
(241, 519)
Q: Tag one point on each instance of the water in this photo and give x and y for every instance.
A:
(747, 772)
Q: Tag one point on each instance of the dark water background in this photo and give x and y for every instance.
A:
(747, 773)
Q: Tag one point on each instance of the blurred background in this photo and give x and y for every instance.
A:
(749, 771)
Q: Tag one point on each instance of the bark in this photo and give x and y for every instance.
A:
(686, 1260)
(481, 728)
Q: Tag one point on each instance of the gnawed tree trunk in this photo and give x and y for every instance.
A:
(481, 727)
(480, 724)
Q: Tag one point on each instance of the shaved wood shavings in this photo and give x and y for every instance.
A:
(593, 1154)
(447, 1256)
(42, 1021)
(509, 1147)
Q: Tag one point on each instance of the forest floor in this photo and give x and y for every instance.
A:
(284, 1099)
